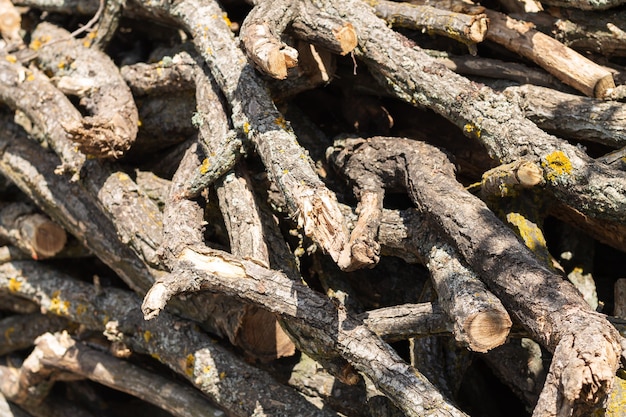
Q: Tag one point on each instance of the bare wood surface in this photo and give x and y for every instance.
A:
(562, 62)
(32, 232)
(261, 33)
(462, 27)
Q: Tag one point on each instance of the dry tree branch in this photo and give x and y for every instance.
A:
(92, 76)
(466, 28)
(56, 355)
(489, 117)
(551, 309)
(255, 115)
(177, 343)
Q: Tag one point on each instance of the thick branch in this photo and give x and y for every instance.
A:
(92, 76)
(405, 321)
(559, 60)
(254, 114)
(461, 27)
(480, 320)
(204, 268)
(32, 232)
(556, 316)
(573, 117)
(487, 117)
(59, 353)
(177, 343)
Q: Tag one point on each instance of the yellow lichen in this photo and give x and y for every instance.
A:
(30, 76)
(530, 233)
(280, 121)
(190, 360)
(156, 356)
(81, 309)
(11, 58)
(57, 305)
(616, 403)
(8, 332)
(227, 20)
(36, 43)
(246, 128)
(222, 375)
(14, 284)
(558, 164)
(472, 128)
(204, 168)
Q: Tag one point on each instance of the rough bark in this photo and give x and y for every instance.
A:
(19, 332)
(111, 127)
(405, 321)
(480, 321)
(231, 383)
(558, 317)
(57, 354)
(255, 115)
(204, 268)
(486, 116)
(572, 117)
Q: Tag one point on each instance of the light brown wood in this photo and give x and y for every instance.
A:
(564, 63)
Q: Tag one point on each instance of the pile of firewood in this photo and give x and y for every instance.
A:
(312, 208)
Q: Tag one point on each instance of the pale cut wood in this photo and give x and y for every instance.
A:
(564, 63)
(459, 26)
(504, 179)
(30, 231)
